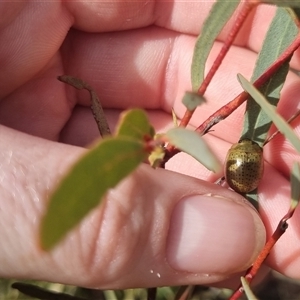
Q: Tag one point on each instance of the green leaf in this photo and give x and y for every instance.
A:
(279, 122)
(134, 123)
(217, 18)
(292, 3)
(83, 188)
(295, 185)
(280, 35)
(192, 143)
(192, 100)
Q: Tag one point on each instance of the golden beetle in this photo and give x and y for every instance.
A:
(244, 166)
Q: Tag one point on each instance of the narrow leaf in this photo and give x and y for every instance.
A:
(279, 122)
(134, 123)
(280, 35)
(217, 18)
(193, 144)
(295, 185)
(192, 100)
(90, 178)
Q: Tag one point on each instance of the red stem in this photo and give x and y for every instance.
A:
(252, 271)
(245, 10)
(227, 109)
(231, 106)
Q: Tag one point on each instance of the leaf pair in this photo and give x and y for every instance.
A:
(110, 161)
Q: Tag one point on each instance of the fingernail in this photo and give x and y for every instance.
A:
(213, 235)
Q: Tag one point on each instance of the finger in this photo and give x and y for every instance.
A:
(103, 16)
(183, 231)
(183, 17)
(40, 107)
(42, 36)
(41, 29)
(273, 206)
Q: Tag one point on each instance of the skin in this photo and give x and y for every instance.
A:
(134, 54)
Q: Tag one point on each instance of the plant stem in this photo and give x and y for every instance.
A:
(252, 271)
(244, 12)
(96, 107)
(151, 293)
(40, 293)
(227, 109)
(231, 106)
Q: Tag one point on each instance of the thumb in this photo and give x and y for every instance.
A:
(155, 228)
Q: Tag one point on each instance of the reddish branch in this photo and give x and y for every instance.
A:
(230, 107)
(252, 271)
(227, 109)
(244, 12)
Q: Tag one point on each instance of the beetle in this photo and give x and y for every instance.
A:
(244, 166)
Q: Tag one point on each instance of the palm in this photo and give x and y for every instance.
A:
(147, 65)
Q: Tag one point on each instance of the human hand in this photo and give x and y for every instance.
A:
(157, 227)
